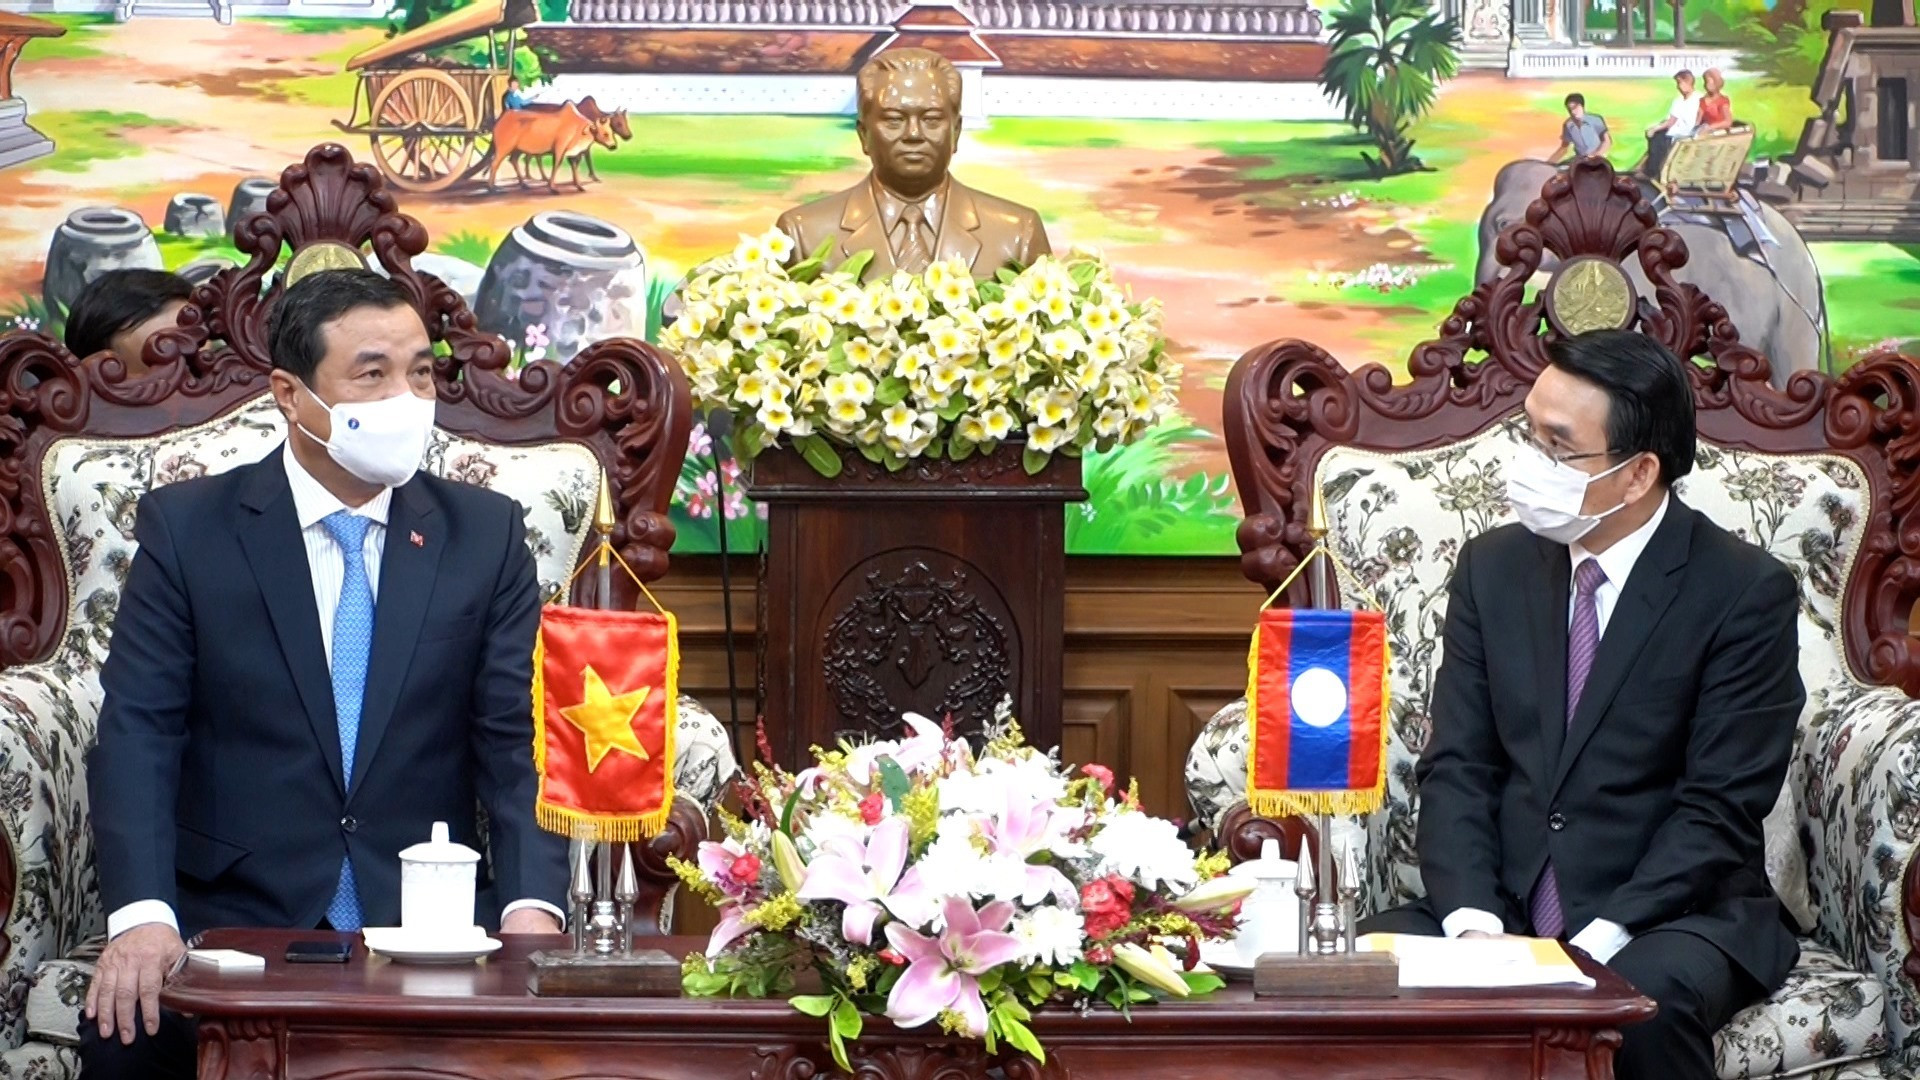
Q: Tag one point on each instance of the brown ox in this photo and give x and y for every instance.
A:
(565, 133)
(589, 108)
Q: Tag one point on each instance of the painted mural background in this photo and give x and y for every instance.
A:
(1248, 229)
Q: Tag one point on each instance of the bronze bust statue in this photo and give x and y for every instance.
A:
(908, 211)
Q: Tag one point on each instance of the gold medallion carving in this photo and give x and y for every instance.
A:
(1589, 294)
(324, 255)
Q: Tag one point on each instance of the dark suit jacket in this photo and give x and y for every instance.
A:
(1651, 802)
(216, 782)
(986, 231)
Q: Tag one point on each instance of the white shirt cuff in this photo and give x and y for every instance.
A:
(140, 913)
(1601, 939)
(558, 915)
(1461, 920)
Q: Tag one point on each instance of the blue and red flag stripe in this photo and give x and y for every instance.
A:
(1317, 707)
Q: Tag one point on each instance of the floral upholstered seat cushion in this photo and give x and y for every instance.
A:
(1398, 521)
(48, 710)
(1825, 1014)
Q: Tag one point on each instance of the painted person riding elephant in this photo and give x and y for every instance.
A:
(1781, 311)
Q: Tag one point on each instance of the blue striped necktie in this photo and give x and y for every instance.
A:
(352, 643)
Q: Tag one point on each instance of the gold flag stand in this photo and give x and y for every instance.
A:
(603, 961)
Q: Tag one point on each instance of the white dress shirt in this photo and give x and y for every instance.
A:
(312, 504)
(1600, 939)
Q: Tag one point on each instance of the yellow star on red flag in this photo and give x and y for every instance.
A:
(607, 720)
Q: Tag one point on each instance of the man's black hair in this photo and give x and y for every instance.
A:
(1650, 398)
(1576, 99)
(294, 337)
(119, 300)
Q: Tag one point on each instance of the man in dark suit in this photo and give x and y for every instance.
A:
(1614, 712)
(908, 211)
(315, 658)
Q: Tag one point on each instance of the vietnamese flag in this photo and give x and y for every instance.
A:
(605, 688)
(1317, 712)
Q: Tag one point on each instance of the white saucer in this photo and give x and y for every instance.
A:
(409, 947)
(1224, 957)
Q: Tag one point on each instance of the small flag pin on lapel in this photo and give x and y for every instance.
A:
(418, 540)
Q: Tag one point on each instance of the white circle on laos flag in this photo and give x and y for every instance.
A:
(1319, 697)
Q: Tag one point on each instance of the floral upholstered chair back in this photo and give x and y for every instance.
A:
(85, 442)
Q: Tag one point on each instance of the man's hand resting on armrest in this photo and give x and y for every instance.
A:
(126, 984)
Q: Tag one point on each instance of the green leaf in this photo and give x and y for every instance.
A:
(1022, 1038)
(786, 819)
(989, 982)
(846, 1020)
(813, 1004)
(748, 440)
(856, 264)
(951, 410)
(1086, 975)
(893, 780)
(1039, 987)
(1006, 275)
(873, 452)
(1202, 982)
(959, 449)
(819, 454)
(839, 1046)
(891, 391)
(1033, 461)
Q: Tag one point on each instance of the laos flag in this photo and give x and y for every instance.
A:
(1317, 712)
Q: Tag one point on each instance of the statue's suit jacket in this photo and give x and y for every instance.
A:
(986, 231)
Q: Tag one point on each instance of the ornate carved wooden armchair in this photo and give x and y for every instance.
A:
(81, 443)
(1822, 474)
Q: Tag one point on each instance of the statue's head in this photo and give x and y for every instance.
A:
(909, 118)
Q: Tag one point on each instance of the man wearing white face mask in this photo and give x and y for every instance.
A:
(315, 658)
(1614, 713)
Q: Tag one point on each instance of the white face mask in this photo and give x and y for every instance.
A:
(380, 442)
(1547, 495)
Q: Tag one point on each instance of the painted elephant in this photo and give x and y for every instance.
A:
(1781, 312)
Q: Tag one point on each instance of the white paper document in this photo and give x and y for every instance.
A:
(1477, 963)
(227, 959)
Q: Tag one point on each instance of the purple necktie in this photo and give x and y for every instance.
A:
(1583, 640)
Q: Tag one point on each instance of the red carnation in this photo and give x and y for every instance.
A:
(745, 870)
(1107, 905)
(1099, 774)
(873, 808)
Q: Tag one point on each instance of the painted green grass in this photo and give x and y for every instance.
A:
(1137, 506)
(303, 25)
(86, 136)
(1146, 135)
(80, 42)
(1873, 295)
(758, 153)
(178, 251)
(472, 247)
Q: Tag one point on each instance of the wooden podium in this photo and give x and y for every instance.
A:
(938, 589)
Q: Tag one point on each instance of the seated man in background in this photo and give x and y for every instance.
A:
(119, 310)
(1683, 119)
(1614, 712)
(1583, 135)
(316, 657)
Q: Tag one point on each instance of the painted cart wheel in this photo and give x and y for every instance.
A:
(424, 133)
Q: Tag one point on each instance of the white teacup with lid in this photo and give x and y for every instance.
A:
(437, 887)
(1270, 917)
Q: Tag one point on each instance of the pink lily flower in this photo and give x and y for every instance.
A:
(943, 972)
(732, 927)
(1026, 828)
(864, 878)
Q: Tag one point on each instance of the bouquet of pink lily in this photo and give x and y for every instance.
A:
(927, 883)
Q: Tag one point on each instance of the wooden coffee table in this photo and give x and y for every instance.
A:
(371, 1018)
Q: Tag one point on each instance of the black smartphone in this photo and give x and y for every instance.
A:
(319, 952)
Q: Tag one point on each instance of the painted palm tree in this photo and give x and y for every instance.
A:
(1385, 62)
